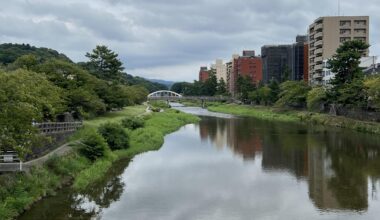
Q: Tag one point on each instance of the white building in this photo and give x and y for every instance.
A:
(365, 63)
(221, 70)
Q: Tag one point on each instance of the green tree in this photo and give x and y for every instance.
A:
(293, 94)
(209, 87)
(352, 95)
(316, 98)
(372, 86)
(345, 63)
(286, 74)
(181, 87)
(25, 97)
(105, 64)
(244, 87)
(261, 95)
(85, 102)
(28, 62)
(348, 86)
(274, 91)
(221, 88)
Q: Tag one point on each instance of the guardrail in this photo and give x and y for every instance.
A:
(9, 157)
(58, 127)
(10, 162)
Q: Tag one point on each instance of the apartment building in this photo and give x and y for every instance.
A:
(277, 62)
(220, 69)
(325, 36)
(247, 65)
(299, 58)
(203, 74)
(231, 78)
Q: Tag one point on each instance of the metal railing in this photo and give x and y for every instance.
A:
(9, 157)
(58, 127)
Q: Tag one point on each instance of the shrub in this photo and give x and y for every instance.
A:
(316, 98)
(293, 94)
(93, 146)
(372, 86)
(132, 123)
(115, 135)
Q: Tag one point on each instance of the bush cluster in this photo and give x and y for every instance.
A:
(115, 136)
(132, 122)
(93, 146)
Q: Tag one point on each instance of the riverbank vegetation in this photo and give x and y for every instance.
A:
(42, 85)
(349, 90)
(20, 190)
(351, 96)
(209, 87)
(288, 115)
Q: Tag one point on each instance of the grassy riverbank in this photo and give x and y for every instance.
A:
(267, 113)
(20, 190)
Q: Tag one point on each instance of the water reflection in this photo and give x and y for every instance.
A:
(337, 164)
(68, 204)
(234, 168)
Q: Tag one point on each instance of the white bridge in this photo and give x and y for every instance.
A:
(162, 94)
(173, 96)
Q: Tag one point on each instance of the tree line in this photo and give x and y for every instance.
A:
(210, 87)
(350, 89)
(41, 85)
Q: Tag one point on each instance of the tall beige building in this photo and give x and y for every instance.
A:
(325, 36)
(221, 70)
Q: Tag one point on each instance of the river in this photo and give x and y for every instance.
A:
(235, 168)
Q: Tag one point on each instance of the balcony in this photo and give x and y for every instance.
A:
(319, 27)
(318, 67)
(318, 43)
(317, 75)
(318, 35)
(318, 59)
(318, 51)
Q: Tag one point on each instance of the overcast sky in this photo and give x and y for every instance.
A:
(169, 39)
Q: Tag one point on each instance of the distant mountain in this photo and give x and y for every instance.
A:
(10, 52)
(147, 83)
(164, 82)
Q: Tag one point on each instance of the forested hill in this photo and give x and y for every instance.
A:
(10, 52)
(150, 86)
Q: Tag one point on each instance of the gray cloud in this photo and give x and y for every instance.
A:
(155, 37)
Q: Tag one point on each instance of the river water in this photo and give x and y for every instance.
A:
(235, 168)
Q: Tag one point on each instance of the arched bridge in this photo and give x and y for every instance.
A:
(173, 96)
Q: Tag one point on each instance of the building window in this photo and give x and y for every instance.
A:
(360, 31)
(360, 38)
(345, 31)
(345, 23)
(360, 22)
(343, 39)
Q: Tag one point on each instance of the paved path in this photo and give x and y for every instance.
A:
(60, 151)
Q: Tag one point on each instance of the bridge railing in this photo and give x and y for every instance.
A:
(204, 98)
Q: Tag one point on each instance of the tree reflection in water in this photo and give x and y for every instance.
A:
(336, 163)
(82, 205)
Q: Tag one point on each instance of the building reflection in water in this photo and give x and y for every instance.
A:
(335, 163)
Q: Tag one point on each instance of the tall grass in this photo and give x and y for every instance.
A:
(257, 112)
(274, 114)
